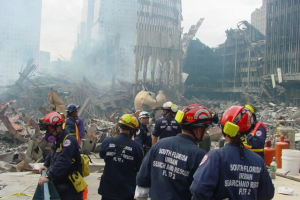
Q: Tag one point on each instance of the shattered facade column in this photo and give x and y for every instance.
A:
(161, 70)
(158, 31)
(287, 96)
(167, 72)
(146, 61)
(136, 69)
(153, 67)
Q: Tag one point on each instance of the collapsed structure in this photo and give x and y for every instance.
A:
(249, 62)
(239, 69)
(124, 35)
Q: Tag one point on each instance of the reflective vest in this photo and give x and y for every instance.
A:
(253, 132)
(76, 130)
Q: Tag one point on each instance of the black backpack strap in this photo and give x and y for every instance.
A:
(169, 121)
(120, 147)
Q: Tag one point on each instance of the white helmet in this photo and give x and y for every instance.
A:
(170, 106)
(144, 114)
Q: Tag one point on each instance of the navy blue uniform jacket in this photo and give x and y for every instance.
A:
(60, 160)
(119, 175)
(166, 127)
(70, 124)
(257, 139)
(169, 166)
(144, 137)
(222, 174)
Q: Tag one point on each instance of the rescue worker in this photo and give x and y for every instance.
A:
(152, 115)
(70, 122)
(143, 135)
(167, 169)
(63, 159)
(166, 126)
(233, 172)
(255, 140)
(123, 158)
(80, 125)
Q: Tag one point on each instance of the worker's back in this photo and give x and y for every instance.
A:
(172, 162)
(229, 176)
(166, 127)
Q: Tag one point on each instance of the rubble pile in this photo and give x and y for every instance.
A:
(95, 102)
(31, 97)
(278, 118)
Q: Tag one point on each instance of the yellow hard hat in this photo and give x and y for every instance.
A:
(251, 108)
(129, 121)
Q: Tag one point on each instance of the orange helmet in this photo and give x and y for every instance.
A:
(51, 119)
(239, 115)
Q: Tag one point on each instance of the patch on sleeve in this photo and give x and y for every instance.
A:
(67, 143)
(204, 159)
(258, 133)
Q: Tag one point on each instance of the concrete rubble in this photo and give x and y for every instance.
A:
(31, 98)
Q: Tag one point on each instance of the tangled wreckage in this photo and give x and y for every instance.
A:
(30, 98)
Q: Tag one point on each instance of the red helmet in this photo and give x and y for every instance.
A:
(51, 119)
(240, 116)
(198, 115)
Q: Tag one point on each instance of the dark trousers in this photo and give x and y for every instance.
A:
(67, 191)
(129, 198)
(71, 196)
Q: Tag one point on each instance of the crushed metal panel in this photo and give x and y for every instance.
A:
(83, 106)
(184, 76)
(102, 106)
(279, 74)
(273, 80)
(56, 101)
(113, 104)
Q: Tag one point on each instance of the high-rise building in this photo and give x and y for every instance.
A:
(135, 35)
(20, 24)
(113, 37)
(158, 40)
(85, 26)
(259, 17)
(282, 59)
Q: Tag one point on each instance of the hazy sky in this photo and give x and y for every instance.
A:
(60, 19)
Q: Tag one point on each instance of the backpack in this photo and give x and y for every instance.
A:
(85, 160)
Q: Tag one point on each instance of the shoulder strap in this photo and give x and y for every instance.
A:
(76, 130)
(120, 147)
(169, 120)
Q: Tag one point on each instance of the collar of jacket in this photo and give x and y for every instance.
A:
(187, 137)
(72, 118)
(233, 144)
(144, 127)
(123, 135)
(61, 138)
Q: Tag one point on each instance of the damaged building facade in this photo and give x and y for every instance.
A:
(250, 59)
(258, 17)
(20, 23)
(282, 58)
(237, 64)
(158, 39)
(131, 36)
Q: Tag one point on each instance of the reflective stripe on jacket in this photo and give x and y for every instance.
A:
(75, 129)
(255, 141)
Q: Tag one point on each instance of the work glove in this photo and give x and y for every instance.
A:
(141, 193)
